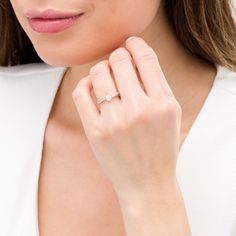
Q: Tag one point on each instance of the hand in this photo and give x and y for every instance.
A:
(135, 137)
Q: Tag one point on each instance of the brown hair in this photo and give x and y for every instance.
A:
(206, 28)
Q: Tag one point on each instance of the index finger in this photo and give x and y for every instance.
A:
(148, 67)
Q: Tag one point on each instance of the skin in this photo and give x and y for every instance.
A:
(130, 159)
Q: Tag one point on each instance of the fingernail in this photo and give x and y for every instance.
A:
(130, 38)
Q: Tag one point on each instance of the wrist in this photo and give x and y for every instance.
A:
(166, 191)
(161, 209)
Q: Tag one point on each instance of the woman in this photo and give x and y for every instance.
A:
(107, 134)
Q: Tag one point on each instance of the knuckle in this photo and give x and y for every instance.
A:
(120, 54)
(143, 114)
(82, 82)
(99, 133)
(178, 109)
(147, 55)
(151, 112)
(175, 105)
(171, 108)
(98, 68)
(77, 93)
(79, 90)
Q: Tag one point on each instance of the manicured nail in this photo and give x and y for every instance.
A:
(130, 38)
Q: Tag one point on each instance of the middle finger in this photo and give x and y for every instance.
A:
(125, 75)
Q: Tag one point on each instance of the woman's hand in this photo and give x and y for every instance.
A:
(135, 137)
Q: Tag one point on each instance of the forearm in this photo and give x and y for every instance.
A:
(159, 212)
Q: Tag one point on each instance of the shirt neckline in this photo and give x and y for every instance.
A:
(203, 109)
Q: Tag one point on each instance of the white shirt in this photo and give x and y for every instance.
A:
(206, 167)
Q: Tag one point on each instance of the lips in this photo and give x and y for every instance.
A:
(51, 21)
(50, 14)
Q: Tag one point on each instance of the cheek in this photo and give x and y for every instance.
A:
(18, 7)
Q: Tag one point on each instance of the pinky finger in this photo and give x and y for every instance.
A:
(84, 103)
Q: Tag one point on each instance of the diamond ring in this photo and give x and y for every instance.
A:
(108, 98)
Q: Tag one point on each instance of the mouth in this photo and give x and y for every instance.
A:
(51, 21)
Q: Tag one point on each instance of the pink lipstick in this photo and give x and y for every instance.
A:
(51, 21)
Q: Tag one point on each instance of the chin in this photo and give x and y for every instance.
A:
(72, 57)
(65, 61)
(67, 58)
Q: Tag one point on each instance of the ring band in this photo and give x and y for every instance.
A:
(107, 98)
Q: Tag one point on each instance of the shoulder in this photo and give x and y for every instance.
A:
(226, 79)
(29, 79)
(26, 96)
(26, 88)
(31, 67)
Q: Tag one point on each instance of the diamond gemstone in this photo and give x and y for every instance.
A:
(108, 98)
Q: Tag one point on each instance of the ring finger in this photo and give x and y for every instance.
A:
(103, 84)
